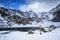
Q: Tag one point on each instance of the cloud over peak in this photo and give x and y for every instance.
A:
(39, 5)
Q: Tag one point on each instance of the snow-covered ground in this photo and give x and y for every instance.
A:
(49, 23)
(16, 35)
(35, 24)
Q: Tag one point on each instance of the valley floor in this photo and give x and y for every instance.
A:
(16, 35)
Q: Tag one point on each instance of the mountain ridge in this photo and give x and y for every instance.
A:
(19, 17)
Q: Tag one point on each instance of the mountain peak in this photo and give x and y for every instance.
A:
(58, 6)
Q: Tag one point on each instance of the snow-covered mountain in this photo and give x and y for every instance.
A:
(17, 16)
(56, 13)
(53, 15)
(13, 16)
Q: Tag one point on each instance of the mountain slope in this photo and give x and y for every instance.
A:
(13, 16)
(56, 13)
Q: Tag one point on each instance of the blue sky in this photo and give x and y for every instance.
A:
(34, 5)
(12, 3)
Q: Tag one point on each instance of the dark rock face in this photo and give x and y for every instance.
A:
(56, 14)
(3, 13)
(17, 16)
(57, 17)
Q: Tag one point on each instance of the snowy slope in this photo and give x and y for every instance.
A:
(48, 23)
(16, 35)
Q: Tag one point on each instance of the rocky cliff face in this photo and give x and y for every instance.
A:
(56, 13)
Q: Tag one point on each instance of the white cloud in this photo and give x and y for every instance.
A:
(44, 1)
(36, 7)
(11, 8)
(24, 8)
(39, 5)
(2, 5)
